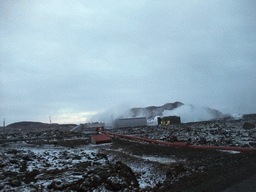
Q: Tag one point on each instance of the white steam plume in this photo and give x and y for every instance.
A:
(190, 113)
(108, 116)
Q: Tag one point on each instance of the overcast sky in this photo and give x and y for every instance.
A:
(73, 59)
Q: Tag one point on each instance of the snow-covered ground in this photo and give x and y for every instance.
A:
(215, 133)
(54, 164)
(44, 160)
(119, 165)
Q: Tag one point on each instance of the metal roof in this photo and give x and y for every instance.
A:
(104, 138)
(133, 118)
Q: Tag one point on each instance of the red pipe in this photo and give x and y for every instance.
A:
(175, 144)
(184, 144)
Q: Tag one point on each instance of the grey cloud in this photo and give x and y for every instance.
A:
(90, 56)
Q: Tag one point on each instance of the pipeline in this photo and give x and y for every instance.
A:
(183, 144)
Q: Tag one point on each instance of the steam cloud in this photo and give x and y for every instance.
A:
(188, 113)
(108, 116)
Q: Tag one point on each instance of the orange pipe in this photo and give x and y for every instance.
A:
(184, 144)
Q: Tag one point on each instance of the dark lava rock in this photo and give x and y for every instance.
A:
(54, 171)
(173, 139)
(13, 161)
(175, 170)
(111, 177)
(12, 151)
(2, 165)
(57, 185)
(103, 172)
(127, 173)
(248, 125)
(10, 173)
(91, 179)
(2, 177)
(26, 157)
(171, 174)
(76, 157)
(202, 141)
(23, 166)
(30, 176)
(96, 163)
(82, 166)
(14, 182)
(102, 156)
(116, 183)
(252, 144)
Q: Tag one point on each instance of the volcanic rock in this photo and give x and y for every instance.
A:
(14, 182)
(174, 170)
(57, 185)
(248, 125)
(30, 176)
(127, 173)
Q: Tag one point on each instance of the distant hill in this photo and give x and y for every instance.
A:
(34, 126)
(152, 111)
(28, 124)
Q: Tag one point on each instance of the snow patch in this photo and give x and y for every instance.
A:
(230, 151)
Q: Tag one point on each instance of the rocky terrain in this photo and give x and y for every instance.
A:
(60, 161)
(48, 168)
(120, 166)
(223, 132)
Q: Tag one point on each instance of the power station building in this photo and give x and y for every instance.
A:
(88, 128)
(168, 120)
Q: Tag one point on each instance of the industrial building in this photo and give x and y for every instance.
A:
(88, 128)
(168, 120)
(130, 122)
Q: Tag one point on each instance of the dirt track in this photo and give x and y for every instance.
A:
(208, 170)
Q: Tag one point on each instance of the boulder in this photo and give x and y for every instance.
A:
(248, 125)
(14, 182)
(116, 183)
(175, 170)
(202, 141)
(127, 173)
(30, 176)
(122, 177)
(56, 185)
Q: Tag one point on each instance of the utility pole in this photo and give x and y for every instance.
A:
(112, 120)
(4, 129)
(4, 124)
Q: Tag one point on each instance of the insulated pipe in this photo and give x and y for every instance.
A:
(174, 144)
(184, 144)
